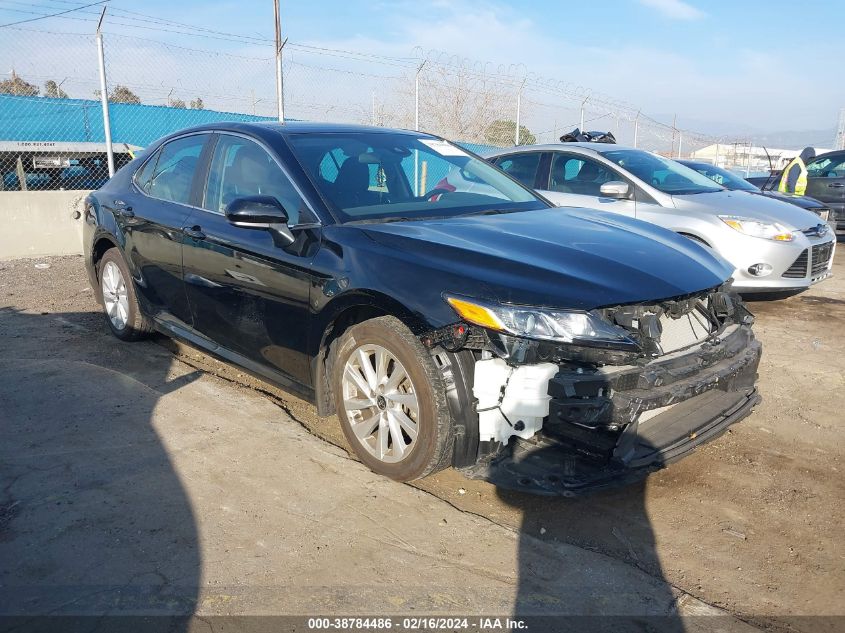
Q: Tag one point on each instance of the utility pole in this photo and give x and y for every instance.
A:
(280, 97)
(680, 142)
(104, 96)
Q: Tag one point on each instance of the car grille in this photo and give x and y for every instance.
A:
(798, 268)
(821, 257)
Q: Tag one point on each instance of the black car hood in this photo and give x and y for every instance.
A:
(805, 202)
(566, 258)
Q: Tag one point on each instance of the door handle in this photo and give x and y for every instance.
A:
(836, 185)
(194, 232)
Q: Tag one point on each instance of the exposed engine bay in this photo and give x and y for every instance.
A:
(588, 413)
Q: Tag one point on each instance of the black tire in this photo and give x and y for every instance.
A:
(138, 326)
(433, 447)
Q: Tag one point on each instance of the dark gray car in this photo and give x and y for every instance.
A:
(825, 182)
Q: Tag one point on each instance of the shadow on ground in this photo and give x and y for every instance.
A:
(93, 519)
(616, 515)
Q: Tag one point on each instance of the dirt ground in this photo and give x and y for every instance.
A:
(751, 523)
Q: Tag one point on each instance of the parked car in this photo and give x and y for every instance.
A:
(825, 182)
(734, 182)
(773, 246)
(459, 328)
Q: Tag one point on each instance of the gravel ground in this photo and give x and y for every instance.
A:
(750, 523)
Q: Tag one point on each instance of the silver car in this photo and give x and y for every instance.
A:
(773, 246)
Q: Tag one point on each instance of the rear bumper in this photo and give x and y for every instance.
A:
(605, 429)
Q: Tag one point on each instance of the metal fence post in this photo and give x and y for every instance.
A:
(636, 127)
(104, 95)
(280, 98)
(518, 106)
(417, 127)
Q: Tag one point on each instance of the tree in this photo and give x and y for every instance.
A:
(54, 90)
(197, 104)
(176, 103)
(17, 86)
(121, 94)
(456, 101)
(501, 132)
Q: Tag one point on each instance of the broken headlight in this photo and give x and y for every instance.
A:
(562, 326)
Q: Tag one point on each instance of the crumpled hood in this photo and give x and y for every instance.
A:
(562, 257)
(749, 205)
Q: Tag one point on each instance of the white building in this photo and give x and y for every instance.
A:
(747, 158)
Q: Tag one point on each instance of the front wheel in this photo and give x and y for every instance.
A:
(390, 400)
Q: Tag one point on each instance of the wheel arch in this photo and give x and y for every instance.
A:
(695, 237)
(338, 316)
(102, 243)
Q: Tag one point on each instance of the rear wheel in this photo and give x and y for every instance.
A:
(390, 400)
(120, 302)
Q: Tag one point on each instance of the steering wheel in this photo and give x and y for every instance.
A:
(437, 191)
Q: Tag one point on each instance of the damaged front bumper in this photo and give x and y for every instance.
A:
(610, 427)
(600, 423)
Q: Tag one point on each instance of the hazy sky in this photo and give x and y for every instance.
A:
(721, 64)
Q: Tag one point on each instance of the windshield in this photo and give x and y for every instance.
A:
(661, 173)
(394, 176)
(723, 177)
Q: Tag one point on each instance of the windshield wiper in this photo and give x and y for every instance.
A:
(384, 220)
(489, 212)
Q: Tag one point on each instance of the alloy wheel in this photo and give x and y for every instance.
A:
(381, 403)
(115, 296)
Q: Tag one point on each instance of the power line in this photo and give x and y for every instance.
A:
(53, 15)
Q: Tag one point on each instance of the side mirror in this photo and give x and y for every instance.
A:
(261, 212)
(615, 189)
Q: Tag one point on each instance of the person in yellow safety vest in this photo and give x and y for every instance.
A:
(793, 180)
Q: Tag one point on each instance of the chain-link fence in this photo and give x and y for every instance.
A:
(52, 134)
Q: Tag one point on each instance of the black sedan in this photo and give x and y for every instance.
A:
(470, 327)
(730, 180)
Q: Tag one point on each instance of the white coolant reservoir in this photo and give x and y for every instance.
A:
(511, 400)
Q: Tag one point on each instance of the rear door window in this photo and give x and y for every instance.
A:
(172, 176)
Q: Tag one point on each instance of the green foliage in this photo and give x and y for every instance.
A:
(501, 132)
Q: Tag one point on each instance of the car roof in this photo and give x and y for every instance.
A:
(599, 148)
(295, 127)
(837, 153)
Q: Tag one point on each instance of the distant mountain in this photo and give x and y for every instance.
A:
(796, 139)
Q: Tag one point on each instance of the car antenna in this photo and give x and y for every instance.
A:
(771, 169)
